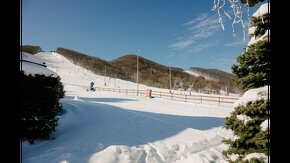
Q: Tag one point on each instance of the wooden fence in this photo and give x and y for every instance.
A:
(40, 64)
(199, 99)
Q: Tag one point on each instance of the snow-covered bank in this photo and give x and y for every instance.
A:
(92, 130)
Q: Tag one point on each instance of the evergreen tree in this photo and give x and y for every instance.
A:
(253, 66)
(251, 139)
(252, 71)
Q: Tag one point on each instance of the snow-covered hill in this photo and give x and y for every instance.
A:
(109, 127)
(210, 74)
(31, 64)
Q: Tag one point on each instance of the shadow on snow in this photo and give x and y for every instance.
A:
(112, 125)
(88, 99)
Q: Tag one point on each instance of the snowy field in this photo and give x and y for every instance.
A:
(108, 127)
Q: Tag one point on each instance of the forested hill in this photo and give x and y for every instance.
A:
(150, 72)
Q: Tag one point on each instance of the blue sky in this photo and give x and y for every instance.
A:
(180, 33)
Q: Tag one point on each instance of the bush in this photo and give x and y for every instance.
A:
(40, 105)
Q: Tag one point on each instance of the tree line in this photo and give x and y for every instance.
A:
(150, 73)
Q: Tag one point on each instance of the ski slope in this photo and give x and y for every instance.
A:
(109, 127)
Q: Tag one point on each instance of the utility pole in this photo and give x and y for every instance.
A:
(169, 78)
(137, 71)
(105, 75)
(115, 81)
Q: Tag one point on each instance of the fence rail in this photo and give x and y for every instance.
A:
(33, 63)
(199, 99)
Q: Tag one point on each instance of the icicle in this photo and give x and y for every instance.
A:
(244, 35)
(237, 10)
(233, 29)
(227, 15)
(214, 5)
(248, 14)
(219, 14)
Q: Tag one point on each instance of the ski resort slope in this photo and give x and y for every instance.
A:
(110, 127)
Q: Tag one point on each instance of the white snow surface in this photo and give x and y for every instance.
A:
(31, 57)
(256, 155)
(254, 40)
(244, 118)
(31, 68)
(233, 157)
(253, 95)
(251, 30)
(198, 74)
(263, 9)
(110, 127)
(264, 125)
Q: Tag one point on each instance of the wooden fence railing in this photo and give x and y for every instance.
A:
(40, 64)
(199, 99)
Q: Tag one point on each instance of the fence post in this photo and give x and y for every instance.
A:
(185, 97)
(219, 101)
(201, 99)
(172, 96)
(160, 94)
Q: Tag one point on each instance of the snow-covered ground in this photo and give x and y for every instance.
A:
(110, 127)
(31, 64)
(198, 74)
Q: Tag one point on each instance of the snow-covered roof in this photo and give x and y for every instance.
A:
(264, 8)
(253, 95)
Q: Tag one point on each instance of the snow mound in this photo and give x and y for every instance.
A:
(253, 95)
(265, 8)
(120, 154)
(161, 152)
(76, 98)
(181, 148)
